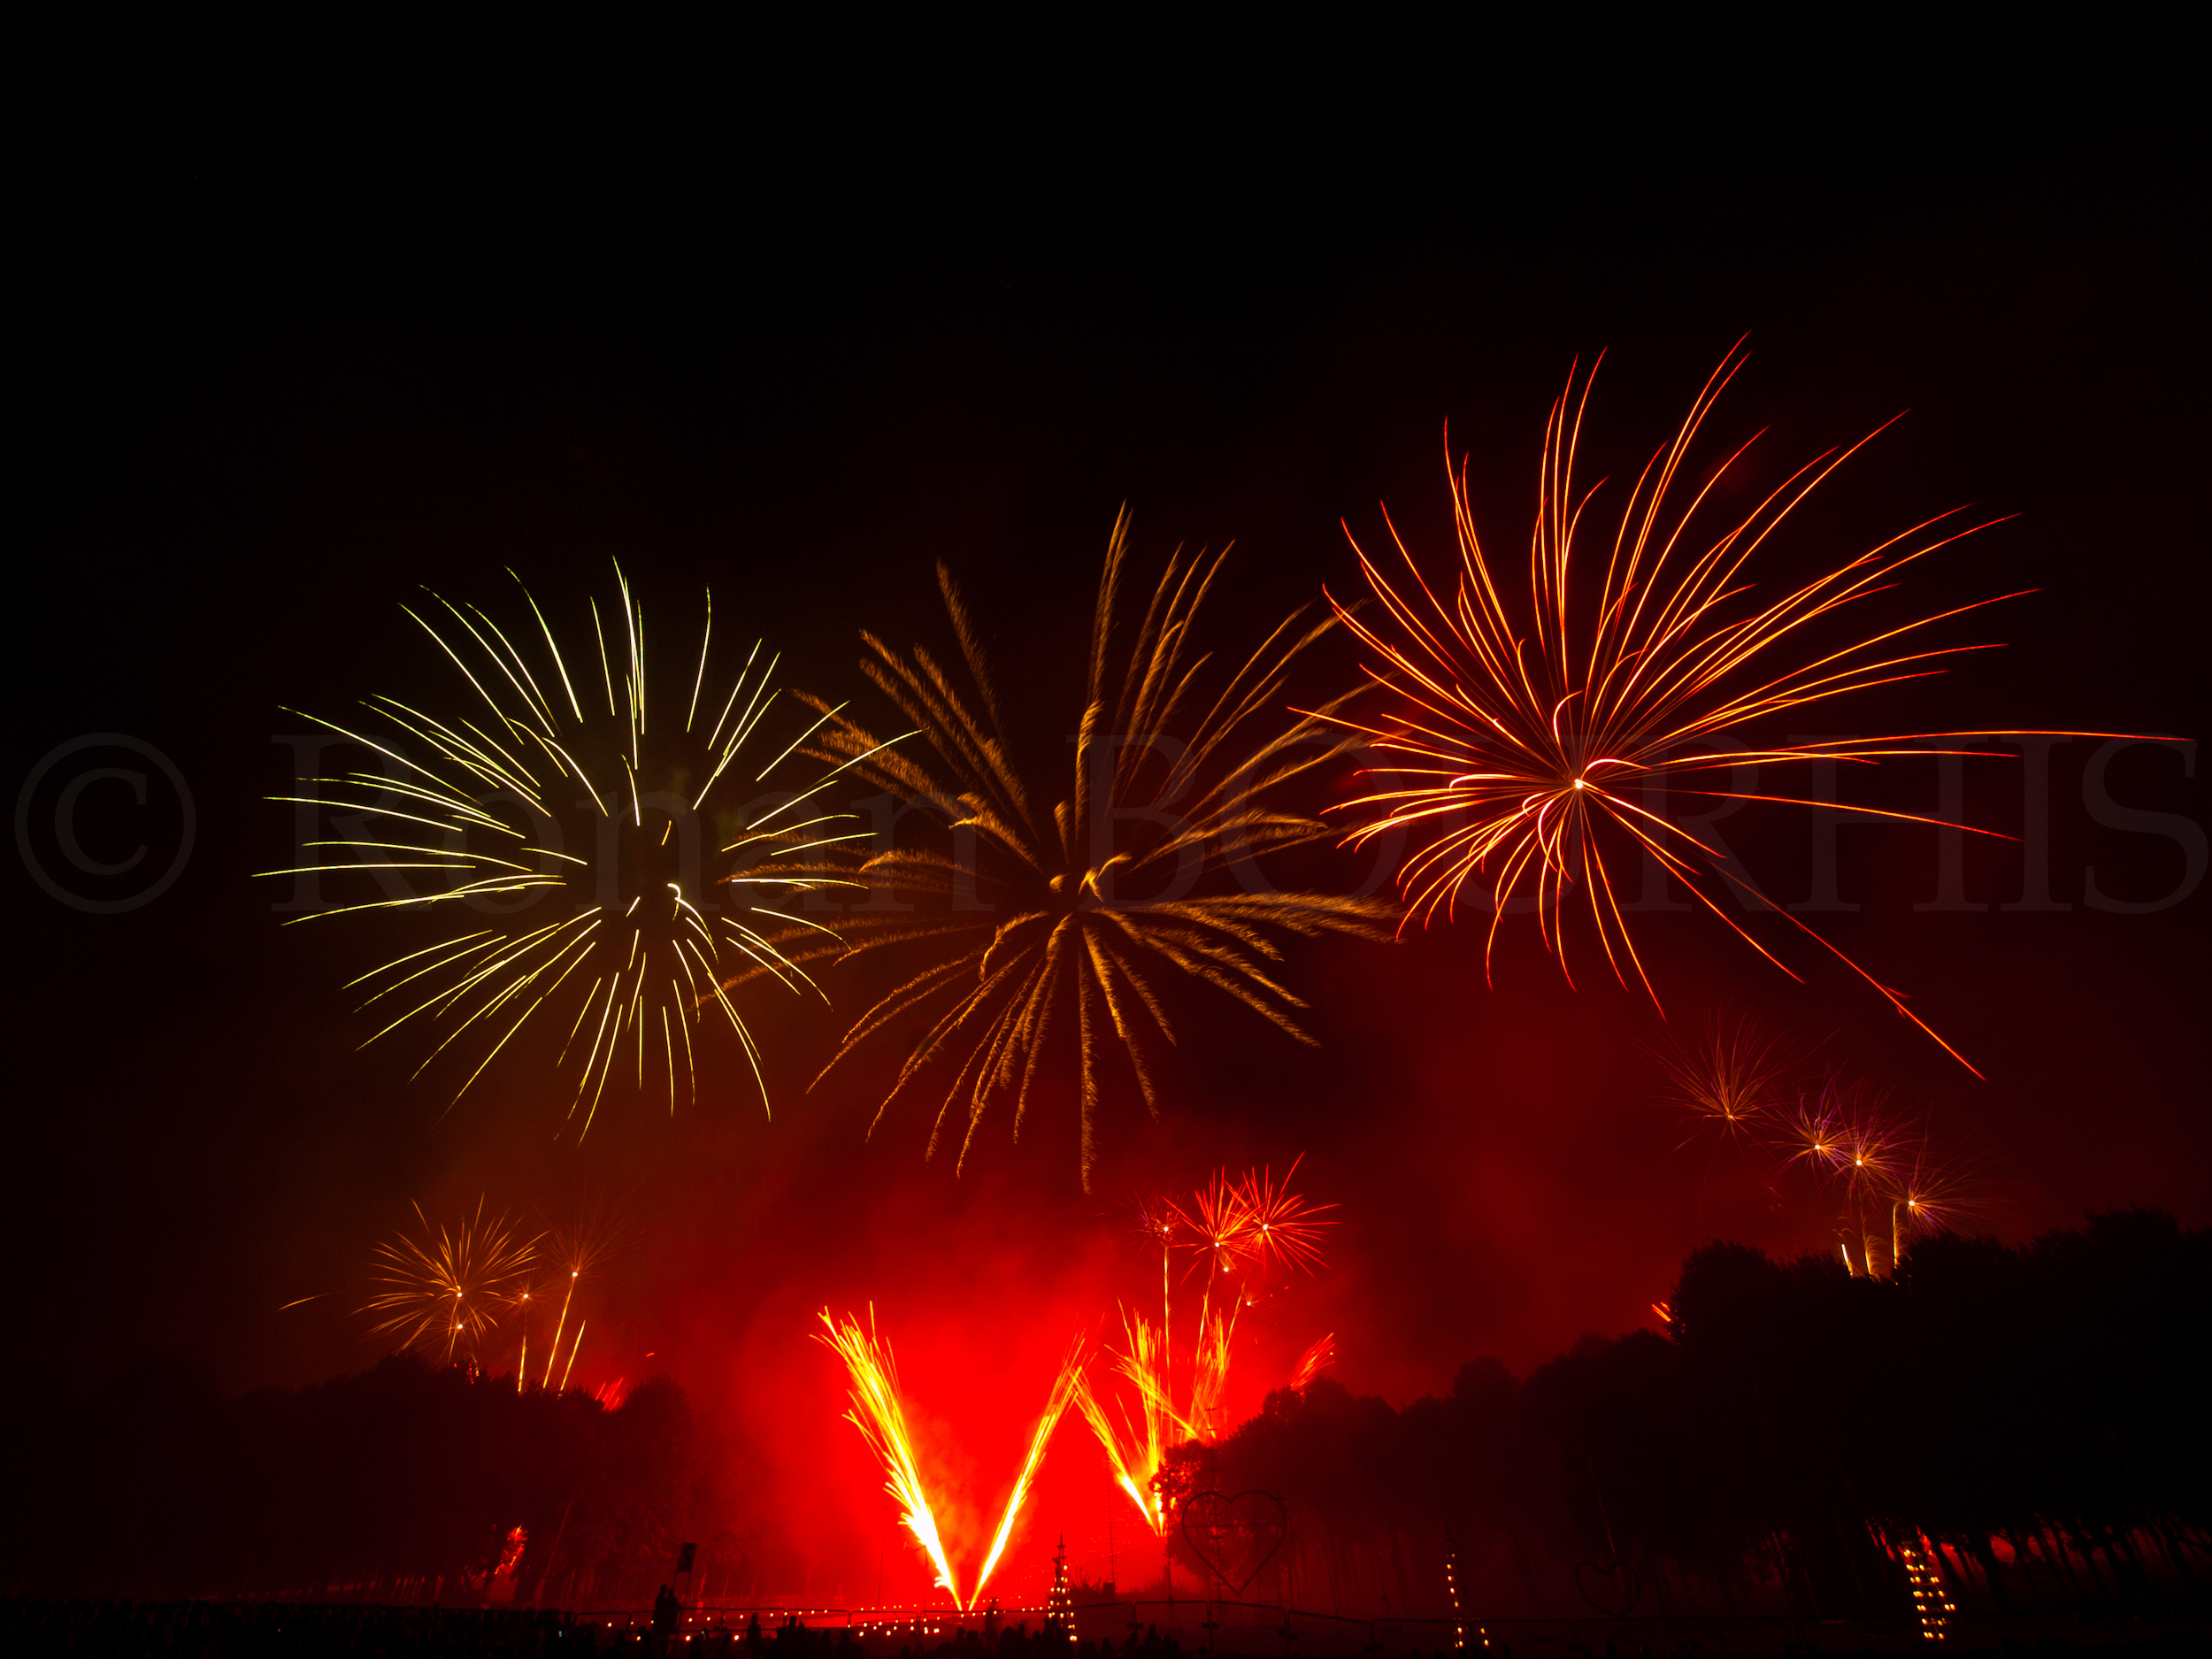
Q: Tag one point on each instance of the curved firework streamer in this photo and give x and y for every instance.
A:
(450, 1287)
(1032, 931)
(568, 848)
(1313, 1362)
(1547, 730)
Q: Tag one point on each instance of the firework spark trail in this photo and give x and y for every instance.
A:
(1034, 937)
(1128, 1457)
(880, 1416)
(643, 934)
(1537, 730)
(1209, 1378)
(1156, 1221)
(1313, 1362)
(1064, 1388)
(1245, 1226)
(1134, 1453)
(554, 1352)
(450, 1286)
(580, 1248)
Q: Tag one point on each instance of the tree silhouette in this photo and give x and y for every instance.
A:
(2028, 1419)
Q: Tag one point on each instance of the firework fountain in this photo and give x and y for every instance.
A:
(1238, 1231)
(879, 1412)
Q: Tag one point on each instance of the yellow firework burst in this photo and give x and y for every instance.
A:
(447, 1289)
(1032, 908)
(598, 854)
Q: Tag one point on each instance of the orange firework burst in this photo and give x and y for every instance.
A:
(1546, 733)
(1731, 1081)
(1038, 931)
(1840, 1132)
(449, 1288)
(1279, 1228)
(1247, 1225)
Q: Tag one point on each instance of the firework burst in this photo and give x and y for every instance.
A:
(1030, 910)
(1729, 1084)
(1545, 732)
(1237, 1231)
(447, 1289)
(567, 850)
(1888, 1183)
(575, 1252)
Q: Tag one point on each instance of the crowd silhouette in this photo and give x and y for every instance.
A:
(193, 1629)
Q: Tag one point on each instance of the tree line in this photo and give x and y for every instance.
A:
(408, 1480)
(2028, 1421)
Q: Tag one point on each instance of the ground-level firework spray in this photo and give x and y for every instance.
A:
(879, 1415)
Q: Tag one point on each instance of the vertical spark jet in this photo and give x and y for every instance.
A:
(1065, 1387)
(880, 1416)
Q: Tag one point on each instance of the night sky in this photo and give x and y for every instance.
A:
(259, 416)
